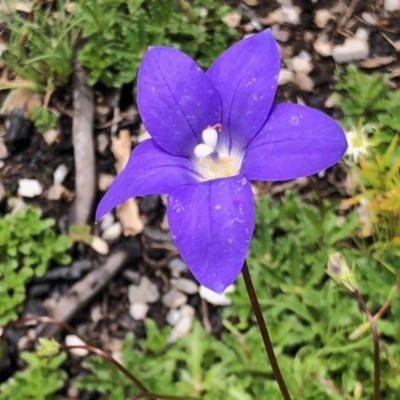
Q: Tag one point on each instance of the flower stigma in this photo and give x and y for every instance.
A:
(213, 162)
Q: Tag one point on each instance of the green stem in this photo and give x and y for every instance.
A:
(375, 339)
(264, 331)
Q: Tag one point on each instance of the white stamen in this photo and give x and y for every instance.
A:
(210, 137)
(203, 150)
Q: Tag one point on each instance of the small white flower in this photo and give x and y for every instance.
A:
(358, 142)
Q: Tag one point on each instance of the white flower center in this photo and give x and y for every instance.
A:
(213, 162)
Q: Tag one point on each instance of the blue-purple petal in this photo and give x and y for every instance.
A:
(176, 100)
(246, 77)
(150, 170)
(296, 141)
(212, 223)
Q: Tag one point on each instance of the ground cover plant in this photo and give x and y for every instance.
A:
(321, 265)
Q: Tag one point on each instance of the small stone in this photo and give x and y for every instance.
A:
(369, 18)
(107, 221)
(173, 316)
(183, 326)
(304, 82)
(145, 292)
(291, 14)
(302, 63)
(51, 136)
(285, 76)
(55, 192)
(281, 35)
(392, 5)
(177, 266)
(113, 232)
(99, 245)
(185, 285)
(96, 313)
(215, 298)
(59, 174)
(104, 182)
(138, 311)
(73, 340)
(331, 101)
(322, 17)
(232, 19)
(29, 188)
(102, 143)
(174, 298)
(323, 47)
(355, 48)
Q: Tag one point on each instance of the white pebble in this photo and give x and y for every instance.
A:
(285, 76)
(291, 14)
(304, 82)
(215, 298)
(55, 192)
(355, 48)
(138, 311)
(145, 292)
(302, 63)
(174, 298)
(232, 19)
(369, 18)
(113, 232)
(105, 181)
(322, 17)
(29, 188)
(59, 174)
(106, 221)
(51, 136)
(184, 285)
(392, 5)
(73, 340)
(323, 47)
(173, 316)
(183, 326)
(177, 266)
(99, 245)
(279, 34)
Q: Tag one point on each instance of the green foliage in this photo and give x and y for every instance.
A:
(40, 380)
(28, 244)
(80, 233)
(309, 317)
(367, 99)
(42, 118)
(40, 50)
(361, 94)
(117, 33)
(199, 31)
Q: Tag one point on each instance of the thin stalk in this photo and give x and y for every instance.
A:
(264, 331)
(108, 357)
(375, 339)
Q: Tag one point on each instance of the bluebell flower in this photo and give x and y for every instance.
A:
(211, 133)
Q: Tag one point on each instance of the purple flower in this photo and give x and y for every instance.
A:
(211, 133)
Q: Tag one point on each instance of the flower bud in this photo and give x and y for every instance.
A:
(341, 273)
